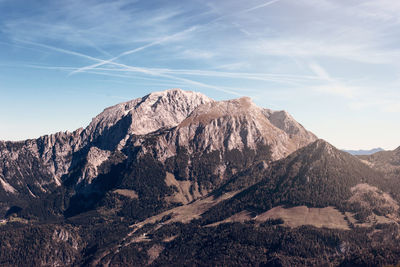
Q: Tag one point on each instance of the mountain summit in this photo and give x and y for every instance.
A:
(149, 113)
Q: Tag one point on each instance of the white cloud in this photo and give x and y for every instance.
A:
(308, 49)
(332, 86)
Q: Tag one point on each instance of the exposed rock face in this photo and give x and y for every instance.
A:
(94, 159)
(234, 124)
(284, 121)
(164, 124)
(143, 115)
(52, 154)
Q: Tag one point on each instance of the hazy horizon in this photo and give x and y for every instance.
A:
(333, 65)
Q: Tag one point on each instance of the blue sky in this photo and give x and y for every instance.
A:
(333, 64)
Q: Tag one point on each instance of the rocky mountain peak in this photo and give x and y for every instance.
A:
(145, 115)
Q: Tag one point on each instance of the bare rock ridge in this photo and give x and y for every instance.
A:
(234, 124)
(183, 119)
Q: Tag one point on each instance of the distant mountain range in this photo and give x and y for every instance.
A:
(364, 152)
(175, 178)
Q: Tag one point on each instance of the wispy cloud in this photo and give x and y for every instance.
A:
(331, 85)
(356, 98)
(381, 104)
(320, 72)
(305, 48)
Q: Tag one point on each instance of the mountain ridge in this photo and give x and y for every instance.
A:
(109, 131)
(131, 147)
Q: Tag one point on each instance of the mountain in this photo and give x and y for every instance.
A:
(175, 130)
(317, 176)
(176, 178)
(364, 152)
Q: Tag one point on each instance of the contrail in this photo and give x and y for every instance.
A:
(245, 11)
(167, 38)
(152, 72)
(61, 50)
(259, 6)
(134, 50)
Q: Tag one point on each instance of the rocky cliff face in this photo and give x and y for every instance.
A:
(167, 125)
(232, 125)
